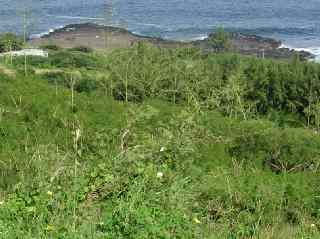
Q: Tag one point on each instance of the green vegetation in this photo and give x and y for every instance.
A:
(157, 143)
(220, 40)
(10, 42)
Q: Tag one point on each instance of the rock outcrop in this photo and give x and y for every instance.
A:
(107, 37)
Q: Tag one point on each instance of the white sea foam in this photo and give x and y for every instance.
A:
(200, 37)
(315, 50)
(149, 24)
(39, 35)
(190, 38)
(77, 17)
(161, 27)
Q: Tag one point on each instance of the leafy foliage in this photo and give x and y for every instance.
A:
(278, 149)
(220, 40)
(10, 42)
(51, 47)
(219, 146)
(83, 49)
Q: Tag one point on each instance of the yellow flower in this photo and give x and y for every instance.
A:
(50, 228)
(50, 193)
(1, 203)
(196, 220)
(313, 225)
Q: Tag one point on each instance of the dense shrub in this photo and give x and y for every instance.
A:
(9, 41)
(131, 93)
(34, 61)
(86, 85)
(51, 47)
(3, 76)
(150, 170)
(220, 40)
(56, 77)
(84, 49)
(287, 149)
(238, 86)
(82, 83)
(73, 60)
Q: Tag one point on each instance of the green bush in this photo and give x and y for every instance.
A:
(240, 87)
(287, 149)
(51, 47)
(130, 93)
(106, 169)
(35, 61)
(73, 60)
(86, 85)
(82, 83)
(3, 76)
(56, 78)
(9, 41)
(83, 49)
(220, 40)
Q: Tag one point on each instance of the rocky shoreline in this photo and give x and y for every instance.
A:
(106, 37)
(254, 45)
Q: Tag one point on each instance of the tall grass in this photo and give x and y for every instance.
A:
(154, 143)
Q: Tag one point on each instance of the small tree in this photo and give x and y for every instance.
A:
(315, 112)
(10, 42)
(220, 40)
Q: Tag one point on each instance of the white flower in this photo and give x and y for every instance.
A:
(1, 203)
(77, 134)
(312, 225)
(159, 174)
(162, 149)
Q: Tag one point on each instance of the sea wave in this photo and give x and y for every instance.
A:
(315, 50)
(200, 37)
(188, 38)
(149, 25)
(77, 17)
(42, 34)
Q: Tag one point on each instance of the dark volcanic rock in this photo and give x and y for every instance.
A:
(102, 37)
(99, 37)
(252, 42)
(248, 44)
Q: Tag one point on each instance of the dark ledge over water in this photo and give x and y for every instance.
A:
(106, 37)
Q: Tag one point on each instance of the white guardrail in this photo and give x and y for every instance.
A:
(26, 52)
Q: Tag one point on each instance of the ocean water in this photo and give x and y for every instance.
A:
(295, 22)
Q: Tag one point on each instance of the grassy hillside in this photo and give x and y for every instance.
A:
(153, 143)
